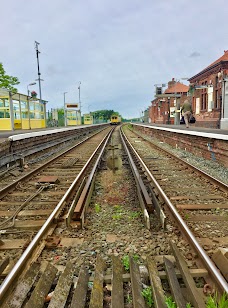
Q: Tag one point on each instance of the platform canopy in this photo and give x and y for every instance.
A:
(18, 96)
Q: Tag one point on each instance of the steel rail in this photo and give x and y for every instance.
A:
(4, 190)
(145, 200)
(212, 269)
(34, 243)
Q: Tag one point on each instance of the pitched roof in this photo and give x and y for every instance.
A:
(177, 88)
(224, 57)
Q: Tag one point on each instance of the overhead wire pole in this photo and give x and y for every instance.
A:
(38, 67)
(65, 112)
(79, 94)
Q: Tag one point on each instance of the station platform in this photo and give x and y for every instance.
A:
(191, 128)
(6, 134)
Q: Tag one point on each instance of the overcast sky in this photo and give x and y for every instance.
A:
(117, 49)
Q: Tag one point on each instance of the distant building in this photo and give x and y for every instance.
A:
(209, 94)
(165, 108)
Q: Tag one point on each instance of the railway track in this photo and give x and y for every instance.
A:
(34, 206)
(108, 286)
(179, 185)
(25, 158)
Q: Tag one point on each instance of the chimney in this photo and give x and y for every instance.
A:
(171, 83)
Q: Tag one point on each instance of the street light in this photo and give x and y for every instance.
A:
(79, 93)
(28, 102)
(31, 84)
(79, 88)
(65, 118)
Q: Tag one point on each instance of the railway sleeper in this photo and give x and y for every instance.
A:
(42, 284)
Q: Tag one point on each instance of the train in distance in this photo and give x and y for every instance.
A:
(115, 120)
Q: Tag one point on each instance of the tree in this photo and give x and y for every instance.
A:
(104, 114)
(7, 81)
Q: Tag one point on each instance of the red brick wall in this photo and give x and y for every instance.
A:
(208, 148)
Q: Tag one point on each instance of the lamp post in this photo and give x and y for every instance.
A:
(168, 119)
(38, 67)
(79, 96)
(224, 109)
(65, 113)
(177, 102)
(31, 84)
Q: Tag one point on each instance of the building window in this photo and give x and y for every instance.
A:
(216, 99)
(204, 98)
(217, 93)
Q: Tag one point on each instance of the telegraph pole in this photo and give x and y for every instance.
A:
(65, 113)
(79, 93)
(37, 57)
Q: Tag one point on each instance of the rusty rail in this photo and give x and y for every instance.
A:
(210, 266)
(35, 242)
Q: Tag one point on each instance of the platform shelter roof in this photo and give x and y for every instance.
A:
(17, 96)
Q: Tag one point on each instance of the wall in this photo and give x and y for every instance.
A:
(208, 148)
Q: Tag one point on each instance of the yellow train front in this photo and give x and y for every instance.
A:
(115, 120)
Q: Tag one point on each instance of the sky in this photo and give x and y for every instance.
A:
(118, 50)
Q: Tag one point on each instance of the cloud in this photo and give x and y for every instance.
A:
(117, 49)
(194, 54)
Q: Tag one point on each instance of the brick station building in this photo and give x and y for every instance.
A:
(207, 90)
(165, 108)
(208, 93)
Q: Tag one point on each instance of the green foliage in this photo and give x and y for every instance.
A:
(97, 208)
(117, 216)
(7, 81)
(136, 258)
(126, 261)
(118, 208)
(170, 303)
(188, 305)
(147, 294)
(186, 216)
(105, 115)
(134, 215)
(129, 299)
(214, 302)
(216, 211)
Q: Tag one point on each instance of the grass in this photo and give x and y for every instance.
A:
(186, 216)
(147, 294)
(117, 216)
(170, 303)
(118, 208)
(214, 302)
(126, 261)
(97, 208)
(129, 299)
(118, 212)
(133, 215)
